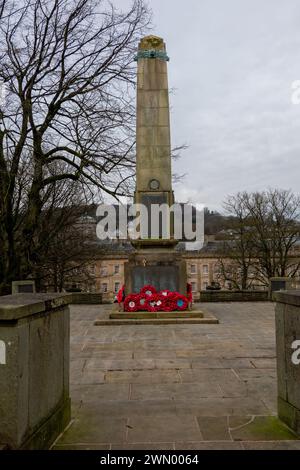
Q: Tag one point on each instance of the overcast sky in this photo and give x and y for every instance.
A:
(232, 64)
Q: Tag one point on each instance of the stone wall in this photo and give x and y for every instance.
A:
(233, 296)
(86, 298)
(287, 313)
(34, 369)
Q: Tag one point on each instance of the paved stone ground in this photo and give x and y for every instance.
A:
(175, 386)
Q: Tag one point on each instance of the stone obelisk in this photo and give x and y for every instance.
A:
(155, 261)
(153, 143)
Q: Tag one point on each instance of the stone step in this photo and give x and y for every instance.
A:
(148, 315)
(208, 318)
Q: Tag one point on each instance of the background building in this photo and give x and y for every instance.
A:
(93, 265)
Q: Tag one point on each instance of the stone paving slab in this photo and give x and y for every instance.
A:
(82, 447)
(175, 391)
(95, 430)
(179, 386)
(142, 377)
(162, 428)
(143, 446)
(258, 428)
(208, 445)
(223, 406)
(195, 445)
(271, 445)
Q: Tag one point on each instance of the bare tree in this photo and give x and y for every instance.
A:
(69, 255)
(240, 248)
(2, 6)
(266, 228)
(68, 115)
(275, 218)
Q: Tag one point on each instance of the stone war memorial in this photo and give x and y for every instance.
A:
(156, 370)
(154, 262)
(155, 274)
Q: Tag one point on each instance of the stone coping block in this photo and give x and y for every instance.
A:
(17, 306)
(290, 297)
(34, 369)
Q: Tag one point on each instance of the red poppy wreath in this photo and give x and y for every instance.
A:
(131, 303)
(148, 290)
(155, 303)
(181, 302)
(142, 302)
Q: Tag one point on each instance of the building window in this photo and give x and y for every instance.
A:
(117, 269)
(104, 287)
(217, 268)
(193, 269)
(205, 269)
(117, 287)
(103, 271)
(194, 286)
(205, 284)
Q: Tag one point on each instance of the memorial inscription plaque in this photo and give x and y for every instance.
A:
(161, 277)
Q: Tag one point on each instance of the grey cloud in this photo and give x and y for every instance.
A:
(232, 65)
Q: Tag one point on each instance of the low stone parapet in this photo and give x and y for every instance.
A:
(233, 296)
(287, 313)
(34, 369)
(92, 298)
